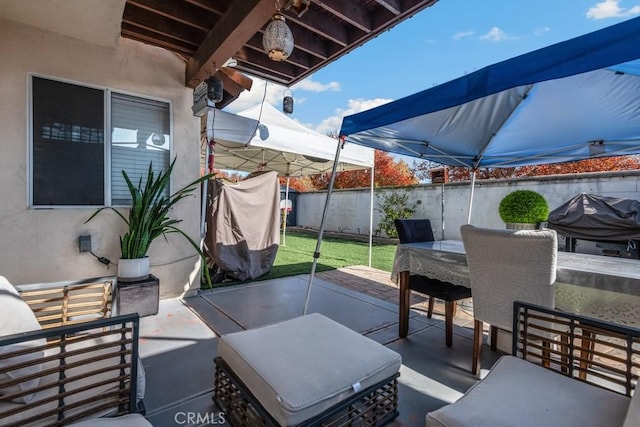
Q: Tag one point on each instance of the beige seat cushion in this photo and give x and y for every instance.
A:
(16, 317)
(300, 367)
(520, 393)
(130, 420)
(633, 413)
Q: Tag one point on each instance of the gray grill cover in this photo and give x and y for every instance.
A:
(593, 217)
(243, 225)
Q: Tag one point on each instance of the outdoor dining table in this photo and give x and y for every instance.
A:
(598, 286)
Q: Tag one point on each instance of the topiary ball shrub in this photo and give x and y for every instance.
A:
(523, 206)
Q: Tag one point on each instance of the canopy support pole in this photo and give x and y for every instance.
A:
(205, 194)
(442, 206)
(473, 185)
(371, 213)
(286, 209)
(316, 254)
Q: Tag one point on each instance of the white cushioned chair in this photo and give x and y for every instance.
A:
(507, 266)
(533, 389)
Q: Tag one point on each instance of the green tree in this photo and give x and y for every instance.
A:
(393, 204)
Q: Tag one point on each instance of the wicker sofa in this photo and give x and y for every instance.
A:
(585, 377)
(64, 360)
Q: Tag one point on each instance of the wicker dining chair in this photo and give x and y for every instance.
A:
(419, 230)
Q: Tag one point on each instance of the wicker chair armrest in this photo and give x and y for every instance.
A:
(63, 374)
(591, 350)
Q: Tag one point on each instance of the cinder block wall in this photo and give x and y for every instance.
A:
(448, 205)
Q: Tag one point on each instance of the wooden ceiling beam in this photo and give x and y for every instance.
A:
(392, 6)
(142, 35)
(258, 63)
(161, 25)
(241, 81)
(218, 7)
(237, 25)
(349, 11)
(318, 23)
(184, 13)
(298, 57)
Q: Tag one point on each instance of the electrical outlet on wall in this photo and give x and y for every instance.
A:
(84, 243)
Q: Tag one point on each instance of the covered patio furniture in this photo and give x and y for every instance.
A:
(419, 230)
(507, 266)
(598, 218)
(243, 226)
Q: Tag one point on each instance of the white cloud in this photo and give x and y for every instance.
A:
(313, 86)
(332, 124)
(275, 93)
(611, 9)
(247, 99)
(462, 34)
(495, 34)
(541, 31)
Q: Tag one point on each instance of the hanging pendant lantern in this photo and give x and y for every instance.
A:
(287, 101)
(277, 39)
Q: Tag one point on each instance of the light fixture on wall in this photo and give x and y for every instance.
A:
(277, 39)
(215, 89)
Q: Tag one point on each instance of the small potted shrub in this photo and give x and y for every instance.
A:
(523, 209)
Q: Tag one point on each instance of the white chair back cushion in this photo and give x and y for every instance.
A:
(509, 265)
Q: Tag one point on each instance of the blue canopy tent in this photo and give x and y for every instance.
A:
(565, 102)
(573, 100)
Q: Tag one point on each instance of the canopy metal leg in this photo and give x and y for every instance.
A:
(473, 185)
(371, 212)
(286, 211)
(316, 254)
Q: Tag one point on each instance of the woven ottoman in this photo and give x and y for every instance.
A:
(305, 371)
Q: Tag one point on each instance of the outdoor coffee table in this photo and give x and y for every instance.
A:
(305, 371)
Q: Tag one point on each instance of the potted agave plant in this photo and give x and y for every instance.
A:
(149, 219)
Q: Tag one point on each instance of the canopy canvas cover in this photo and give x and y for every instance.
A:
(263, 138)
(569, 101)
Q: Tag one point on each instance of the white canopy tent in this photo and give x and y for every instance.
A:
(263, 138)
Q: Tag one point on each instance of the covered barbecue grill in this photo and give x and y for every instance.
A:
(598, 218)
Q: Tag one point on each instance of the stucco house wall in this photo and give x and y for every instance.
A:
(39, 245)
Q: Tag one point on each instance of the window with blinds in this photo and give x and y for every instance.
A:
(139, 138)
(69, 161)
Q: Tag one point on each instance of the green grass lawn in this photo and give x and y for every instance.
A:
(296, 257)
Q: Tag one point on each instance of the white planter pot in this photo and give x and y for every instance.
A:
(520, 226)
(133, 270)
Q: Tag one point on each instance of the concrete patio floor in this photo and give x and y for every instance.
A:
(179, 343)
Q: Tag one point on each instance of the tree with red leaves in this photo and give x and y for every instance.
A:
(388, 172)
(601, 164)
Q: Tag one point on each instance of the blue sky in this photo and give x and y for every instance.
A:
(441, 43)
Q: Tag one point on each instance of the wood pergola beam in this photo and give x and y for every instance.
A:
(237, 25)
